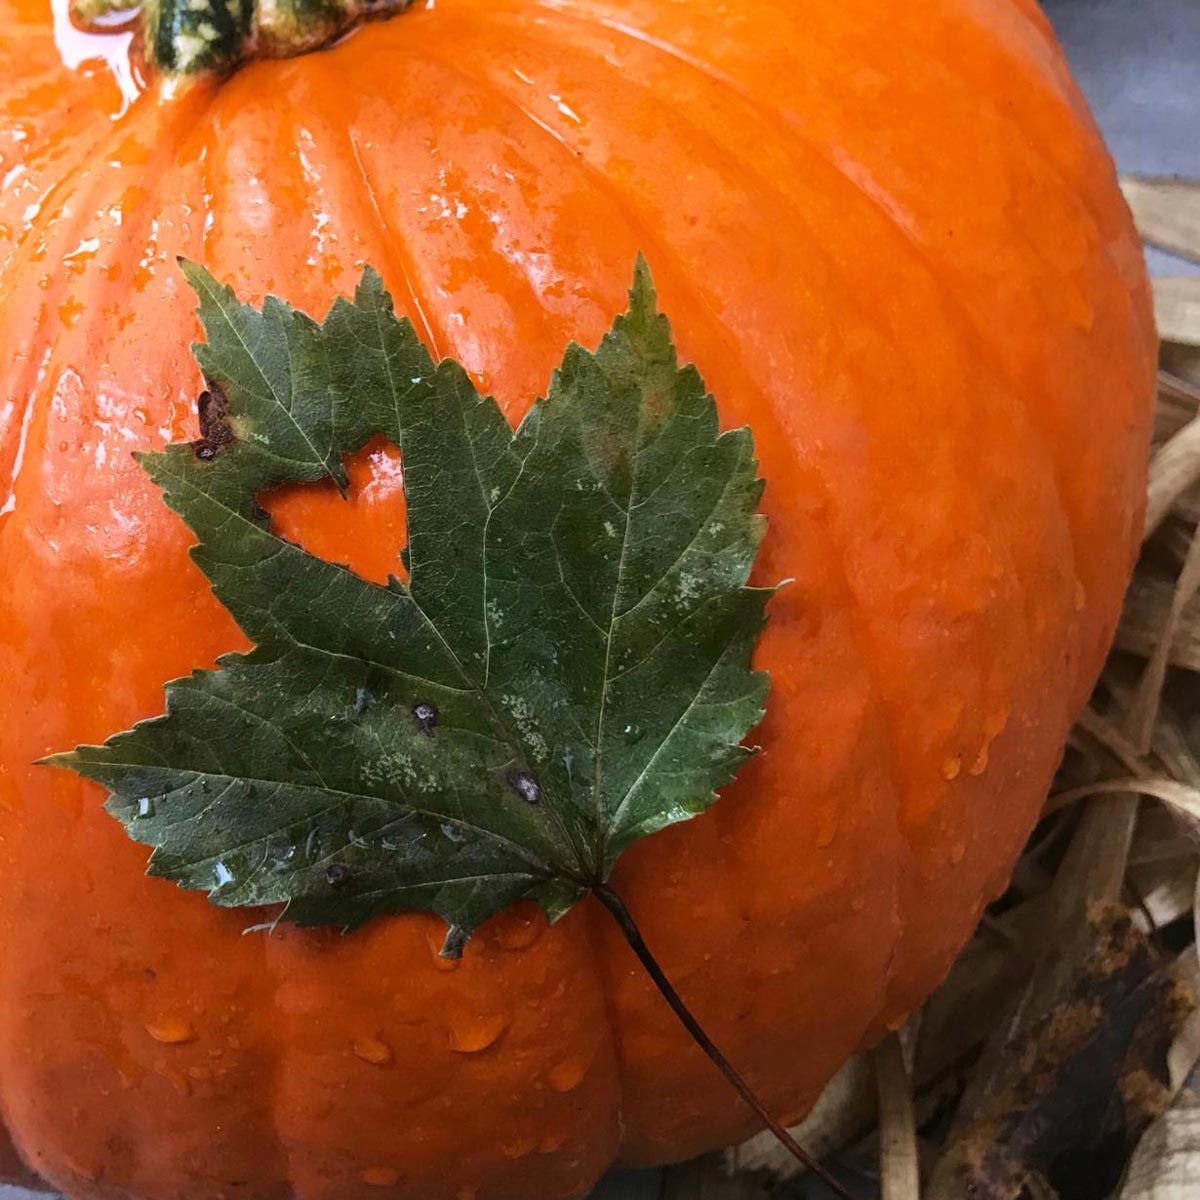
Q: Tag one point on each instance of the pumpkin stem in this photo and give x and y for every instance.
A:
(633, 935)
(190, 37)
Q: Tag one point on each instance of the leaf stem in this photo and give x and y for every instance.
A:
(633, 935)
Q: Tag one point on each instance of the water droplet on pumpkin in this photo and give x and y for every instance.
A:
(82, 1170)
(827, 827)
(981, 761)
(519, 1148)
(567, 1075)
(519, 932)
(171, 1030)
(467, 1193)
(994, 725)
(477, 1033)
(178, 1080)
(1080, 596)
(381, 1176)
(373, 1050)
(551, 1142)
(957, 853)
(951, 767)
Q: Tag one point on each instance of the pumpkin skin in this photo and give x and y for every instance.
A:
(893, 244)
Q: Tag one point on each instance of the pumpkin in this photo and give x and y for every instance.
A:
(893, 243)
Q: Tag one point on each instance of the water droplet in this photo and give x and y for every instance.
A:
(222, 874)
(426, 716)
(171, 1030)
(373, 1050)
(525, 786)
(467, 1193)
(951, 767)
(957, 853)
(520, 1148)
(82, 1170)
(981, 761)
(381, 1176)
(145, 806)
(568, 1074)
(632, 732)
(178, 1080)
(453, 832)
(827, 827)
(362, 701)
(475, 1034)
(518, 932)
(551, 1142)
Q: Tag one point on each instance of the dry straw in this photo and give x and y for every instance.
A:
(1068, 1014)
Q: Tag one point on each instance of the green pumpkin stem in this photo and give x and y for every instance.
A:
(193, 37)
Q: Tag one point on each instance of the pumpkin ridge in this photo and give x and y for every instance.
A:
(394, 243)
(64, 235)
(108, 131)
(277, 1052)
(596, 924)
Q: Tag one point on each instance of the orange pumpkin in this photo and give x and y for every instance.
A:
(892, 241)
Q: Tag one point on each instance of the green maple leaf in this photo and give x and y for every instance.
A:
(567, 669)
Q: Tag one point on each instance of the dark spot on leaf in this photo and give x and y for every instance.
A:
(216, 430)
(338, 875)
(525, 786)
(426, 716)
